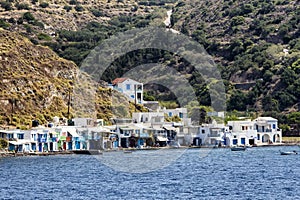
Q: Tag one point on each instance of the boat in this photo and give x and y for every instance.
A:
(238, 148)
(88, 152)
(288, 152)
(127, 151)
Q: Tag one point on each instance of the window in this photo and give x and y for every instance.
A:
(170, 114)
(203, 131)
(20, 136)
(132, 96)
(274, 126)
(33, 136)
(180, 115)
(258, 136)
(127, 86)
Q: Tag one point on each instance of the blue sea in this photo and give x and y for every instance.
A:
(257, 173)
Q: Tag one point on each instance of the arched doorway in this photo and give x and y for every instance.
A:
(265, 138)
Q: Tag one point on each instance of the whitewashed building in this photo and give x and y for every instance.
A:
(263, 130)
(131, 88)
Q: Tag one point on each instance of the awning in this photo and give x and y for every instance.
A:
(170, 128)
(19, 142)
(126, 129)
(144, 135)
(161, 139)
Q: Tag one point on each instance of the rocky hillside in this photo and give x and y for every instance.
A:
(256, 45)
(73, 27)
(35, 83)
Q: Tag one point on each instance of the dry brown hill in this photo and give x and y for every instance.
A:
(35, 84)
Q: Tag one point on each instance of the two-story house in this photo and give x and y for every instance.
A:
(131, 88)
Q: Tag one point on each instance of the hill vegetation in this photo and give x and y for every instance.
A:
(36, 84)
(255, 44)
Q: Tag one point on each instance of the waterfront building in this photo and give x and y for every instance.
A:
(18, 140)
(97, 138)
(43, 140)
(263, 130)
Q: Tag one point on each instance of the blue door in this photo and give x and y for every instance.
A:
(33, 146)
(243, 141)
(234, 141)
(77, 145)
(40, 147)
(69, 145)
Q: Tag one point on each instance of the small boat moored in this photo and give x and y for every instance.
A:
(238, 148)
(88, 152)
(288, 152)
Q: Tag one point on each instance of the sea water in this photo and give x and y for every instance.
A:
(257, 173)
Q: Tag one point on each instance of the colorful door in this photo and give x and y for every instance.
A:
(77, 145)
(40, 147)
(69, 145)
(243, 141)
(234, 141)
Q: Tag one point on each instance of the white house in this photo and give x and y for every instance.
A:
(209, 134)
(263, 130)
(147, 117)
(43, 139)
(17, 139)
(131, 88)
(241, 133)
(267, 130)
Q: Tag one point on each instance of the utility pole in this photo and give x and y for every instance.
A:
(69, 103)
(135, 97)
(12, 109)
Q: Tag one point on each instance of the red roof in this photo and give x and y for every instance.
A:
(119, 80)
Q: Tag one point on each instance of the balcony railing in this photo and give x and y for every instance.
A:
(42, 139)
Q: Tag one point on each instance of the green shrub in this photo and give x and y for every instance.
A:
(44, 4)
(79, 8)
(72, 2)
(97, 13)
(43, 36)
(3, 143)
(28, 16)
(3, 24)
(68, 8)
(6, 5)
(22, 6)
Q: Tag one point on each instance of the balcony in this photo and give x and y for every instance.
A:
(53, 139)
(42, 139)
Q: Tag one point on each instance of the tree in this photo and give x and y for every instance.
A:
(237, 101)
(3, 143)
(44, 4)
(28, 16)
(6, 5)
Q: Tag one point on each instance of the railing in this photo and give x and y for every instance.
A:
(53, 139)
(42, 139)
